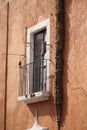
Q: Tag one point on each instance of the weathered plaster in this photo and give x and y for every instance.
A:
(75, 73)
(26, 13)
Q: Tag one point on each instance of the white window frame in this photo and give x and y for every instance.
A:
(39, 96)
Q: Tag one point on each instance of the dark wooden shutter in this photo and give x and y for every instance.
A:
(39, 39)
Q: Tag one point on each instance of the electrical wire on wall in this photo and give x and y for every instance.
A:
(6, 67)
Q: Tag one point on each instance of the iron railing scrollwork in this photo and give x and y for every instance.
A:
(32, 77)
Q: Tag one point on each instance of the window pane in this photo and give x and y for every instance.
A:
(38, 61)
(37, 45)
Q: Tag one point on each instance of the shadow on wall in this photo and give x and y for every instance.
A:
(45, 108)
(66, 53)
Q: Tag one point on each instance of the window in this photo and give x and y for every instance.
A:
(38, 66)
(34, 76)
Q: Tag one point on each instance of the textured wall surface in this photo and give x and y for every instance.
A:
(26, 13)
(75, 72)
(22, 14)
(3, 28)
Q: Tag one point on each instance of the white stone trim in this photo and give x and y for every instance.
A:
(37, 126)
(39, 96)
(30, 39)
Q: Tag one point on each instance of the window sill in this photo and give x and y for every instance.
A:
(37, 97)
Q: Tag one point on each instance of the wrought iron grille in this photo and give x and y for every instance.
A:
(32, 77)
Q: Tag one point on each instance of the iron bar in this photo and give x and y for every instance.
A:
(30, 74)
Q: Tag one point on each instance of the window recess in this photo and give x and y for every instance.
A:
(34, 75)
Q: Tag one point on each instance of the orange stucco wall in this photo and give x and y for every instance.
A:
(26, 13)
(22, 14)
(75, 73)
